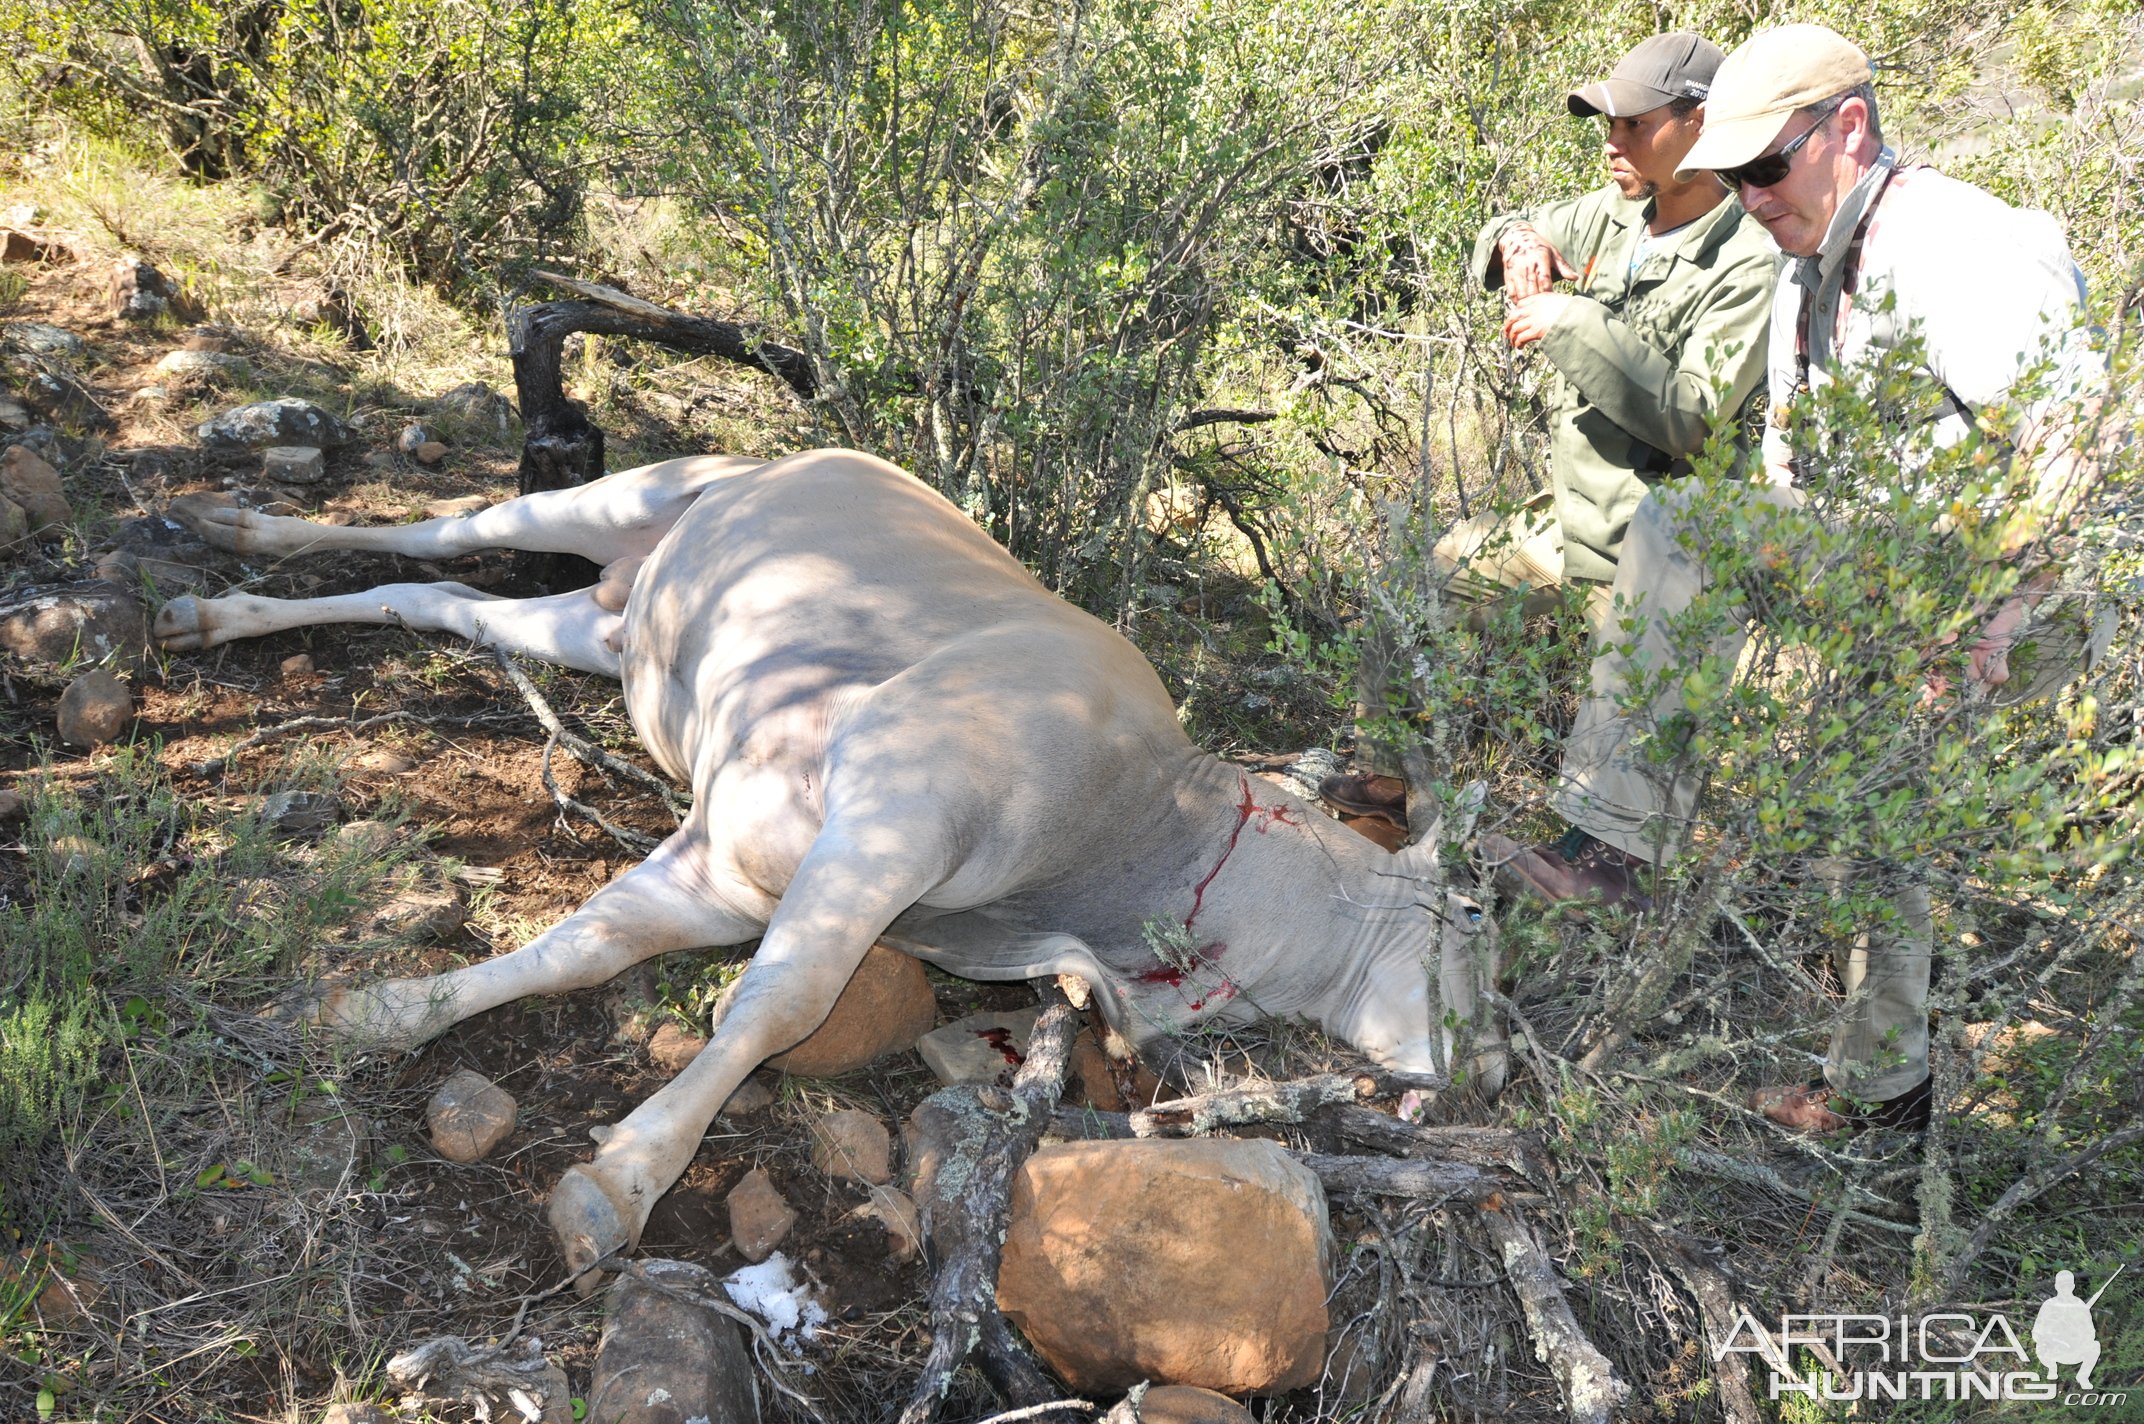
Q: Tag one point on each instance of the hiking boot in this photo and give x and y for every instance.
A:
(1577, 867)
(1817, 1107)
(1366, 795)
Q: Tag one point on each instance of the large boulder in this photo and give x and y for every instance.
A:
(1191, 1262)
(886, 1007)
(288, 421)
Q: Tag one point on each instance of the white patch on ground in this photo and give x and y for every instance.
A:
(771, 1291)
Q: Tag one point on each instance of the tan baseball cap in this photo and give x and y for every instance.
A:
(1665, 67)
(1763, 83)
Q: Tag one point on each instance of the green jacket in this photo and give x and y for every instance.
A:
(1639, 356)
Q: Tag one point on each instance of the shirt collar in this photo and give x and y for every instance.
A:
(1839, 237)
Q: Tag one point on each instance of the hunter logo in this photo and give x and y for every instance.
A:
(1953, 1355)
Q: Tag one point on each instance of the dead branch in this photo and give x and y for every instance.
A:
(1221, 415)
(588, 754)
(1591, 1391)
(1381, 1176)
(964, 1214)
(1716, 1303)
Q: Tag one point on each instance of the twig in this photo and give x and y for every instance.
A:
(966, 1210)
(1036, 1411)
(2036, 1182)
(1716, 1303)
(217, 765)
(1591, 1391)
(589, 755)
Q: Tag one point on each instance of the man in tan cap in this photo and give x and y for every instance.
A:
(1881, 254)
(1658, 341)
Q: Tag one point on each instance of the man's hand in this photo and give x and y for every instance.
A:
(1531, 318)
(1988, 659)
(1532, 265)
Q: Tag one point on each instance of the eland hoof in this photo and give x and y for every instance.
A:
(589, 1225)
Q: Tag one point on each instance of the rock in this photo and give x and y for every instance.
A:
(136, 291)
(57, 396)
(277, 422)
(29, 480)
(752, 1096)
(351, 1412)
(852, 1145)
(1198, 1262)
(469, 1116)
(382, 761)
(453, 508)
(298, 813)
(1187, 1404)
(431, 452)
(293, 464)
(204, 366)
(759, 1218)
(896, 1211)
(671, 1047)
(10, 806)
(334, 310)
(206, 338)
(96, 623)
(479, 405)
(981, 1048)
(886, 1007)
(1094, 1079)
(95, 709)
(73, 855)
(412, 439)
(666, 1360)
(14, 415)
(22, 215)
(18, 246)
(325, 1145)
(14, 524)
(296, 665)
(424, 914)
(39, 339)
(369, 839)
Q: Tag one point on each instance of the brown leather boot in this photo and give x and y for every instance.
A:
(1367, 795)
(1577, 867)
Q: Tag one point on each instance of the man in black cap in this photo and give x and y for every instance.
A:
(1658, 340)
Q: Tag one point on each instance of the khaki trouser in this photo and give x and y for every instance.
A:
(1609, 789)
(1479, 559)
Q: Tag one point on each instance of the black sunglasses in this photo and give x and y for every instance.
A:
(1769, 169)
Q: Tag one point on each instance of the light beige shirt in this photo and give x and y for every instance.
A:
(1989, 289)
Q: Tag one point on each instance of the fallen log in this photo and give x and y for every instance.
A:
(1591, 1391)
(964, 1195)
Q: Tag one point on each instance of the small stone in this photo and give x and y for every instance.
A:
(666, 1359)
(981, 1048)
(277, 422)
(14, 523)
(350, 1412)
(59, 397)
(325, 1144)
(95, 709)
(207, 338)
(73, 855)
(894, 1210)
(191, 365)
(379, 460)
(22, 215)
(886, 1006)
(759, 1218)
(31, 482)
(1198, 1262)
(42, 340)
(297, 665)
(366, 839)
(412, 439)
(10, 806)
(97, 623)
(17, 246)
(293, 464)
(469, 1116)
(137, 291)
(753, 1095)
(852, 1145)
(431, 452)
(671, 1047)
(382, 761)
(14, 415)
(454, 508)
(297, 813)
(1187, 1404)
(424, 915)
